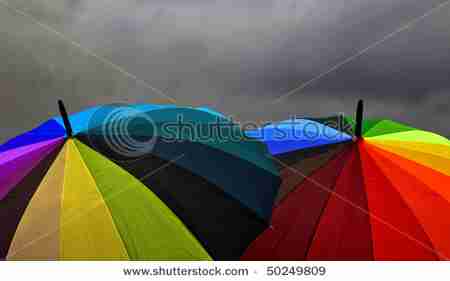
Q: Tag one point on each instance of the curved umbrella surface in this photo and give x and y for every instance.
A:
(382, 196)
(126, 187)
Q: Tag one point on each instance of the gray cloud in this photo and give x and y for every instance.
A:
(233, 55)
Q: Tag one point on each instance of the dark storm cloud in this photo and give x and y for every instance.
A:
(233, 55)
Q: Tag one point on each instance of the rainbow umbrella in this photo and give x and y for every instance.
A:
(110, 183)
(382, 194)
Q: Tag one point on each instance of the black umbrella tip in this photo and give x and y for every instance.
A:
(359, 119)
(360, 103)
(65, 117)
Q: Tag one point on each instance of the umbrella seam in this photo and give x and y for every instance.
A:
(306, 178)
(434, 250)
(333, 157)
(373, 216)
(103, 201)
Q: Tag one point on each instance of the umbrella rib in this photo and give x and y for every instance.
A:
(334, 156)
(356, 206)
(322, 212)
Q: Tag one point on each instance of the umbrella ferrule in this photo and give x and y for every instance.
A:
(65, 117)
(359, 119)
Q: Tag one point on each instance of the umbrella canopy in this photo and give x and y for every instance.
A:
(379, 195)
(112, 182)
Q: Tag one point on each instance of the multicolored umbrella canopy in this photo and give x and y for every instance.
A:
(383, 194)
(110, 183)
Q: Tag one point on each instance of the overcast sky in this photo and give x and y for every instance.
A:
(235, 56)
